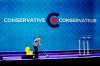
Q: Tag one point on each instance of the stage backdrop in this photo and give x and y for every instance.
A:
(14, 36)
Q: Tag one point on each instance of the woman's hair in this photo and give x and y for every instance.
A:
(39, 36)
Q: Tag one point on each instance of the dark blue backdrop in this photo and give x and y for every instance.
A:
(14, 36)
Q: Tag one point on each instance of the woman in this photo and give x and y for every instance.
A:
(35, 45)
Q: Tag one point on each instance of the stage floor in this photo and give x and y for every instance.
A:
(52, 55)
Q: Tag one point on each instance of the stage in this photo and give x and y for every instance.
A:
(12, 56)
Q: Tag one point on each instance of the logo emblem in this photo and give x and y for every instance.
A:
(52, 20)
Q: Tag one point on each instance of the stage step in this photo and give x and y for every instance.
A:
(27, 57)
(1, 58)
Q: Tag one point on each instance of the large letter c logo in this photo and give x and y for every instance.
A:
(48, 20)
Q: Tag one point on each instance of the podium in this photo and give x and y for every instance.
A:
(83, 43)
